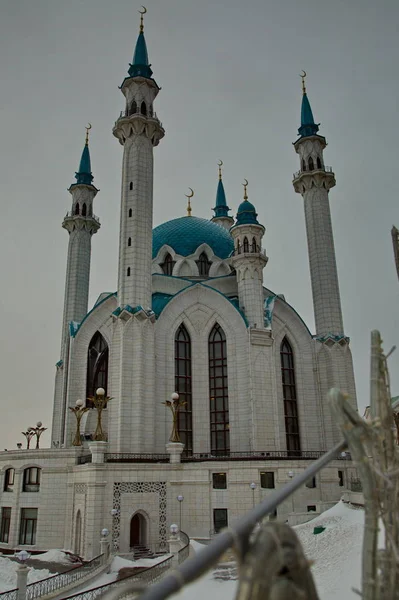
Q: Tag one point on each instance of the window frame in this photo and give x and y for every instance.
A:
(5, 523)
(218, 392)
(273, 480)
(7, 484)
(222, 522)
(291, 417)
(222, 484)
(27, 532)
(183, 386)
(31, 484)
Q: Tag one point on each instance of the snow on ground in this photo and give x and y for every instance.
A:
(56, 556)
(8, 574)
(336, 552)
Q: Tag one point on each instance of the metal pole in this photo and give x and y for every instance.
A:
(192, 569)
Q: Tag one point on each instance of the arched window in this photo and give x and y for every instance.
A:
(128, 272)
(133, 108)
(9, 480)
(129, 242)
(253, 247)
(290, 400)
(131, 185)
(143, 108)
(77, 208)
(97, 366)
(31, 481)
(84, 209)
(318, 162)
(167, 265)
(311, 164)
(303, 165)
(246, 245)
(183, 387)
(203, 265)
(218, 392)
(130, 212)
(238, 247)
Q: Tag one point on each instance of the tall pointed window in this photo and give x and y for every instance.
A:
(77, 208)
(290, 399)
(253, 247)
(303, 165)
(167, 265)
(84, 209)
(203, 265)
(97, 366)
(143, 108)
(218, 392)
(133, 108)
(183, 388)
(311, 164)
(246, 244)
(318, 162)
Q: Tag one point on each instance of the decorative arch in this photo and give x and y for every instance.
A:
(143, 108)
(77, 208)
(290, 399)
(183, 386)
(167, 264)
(318, 162)
(138, 530)
(84, 209)
(218, 392)
(203, 264)
(97, 366)
(246, 245)
(311, 163)
(253, 246)
(133, 108)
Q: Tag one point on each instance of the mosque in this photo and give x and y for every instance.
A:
(190, 316)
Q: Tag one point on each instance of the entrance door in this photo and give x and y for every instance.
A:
(135, 537)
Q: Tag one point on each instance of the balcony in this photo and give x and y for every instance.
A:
(324, 169)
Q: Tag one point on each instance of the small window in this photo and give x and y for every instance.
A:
(167, 265)
(130, 212)
(303, 165)
(203, 265)
(219, 481)
(9, 480)
(129, 242)
(77, 208)
(311, 508)
(5, 524)
(128, 272)
(31, 479)
(341, 478)
(246, 245)
(143, 108)
(267, 480)
(27, 530)
(311, 483)
(253, 247)
(311, 164)
(318, 162)
(84, 209)
(219, 519)
(131, 185)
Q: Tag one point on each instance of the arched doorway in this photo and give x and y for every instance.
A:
(138, 531)
(78, 533)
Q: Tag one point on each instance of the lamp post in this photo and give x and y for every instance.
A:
(22, 574)
(78, 410)
(104, 548)
(175, 404)
(180, 499)
(100, 401)
(253, 488)
(37, 431)
(29, 433)
(291, 475)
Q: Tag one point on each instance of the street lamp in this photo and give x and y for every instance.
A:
(22, 556)
(37, 431)
(78, 410)
(29, 433)
(100, 401)
(175, 405)
(180, 499)
(174, 529)
(253, 488)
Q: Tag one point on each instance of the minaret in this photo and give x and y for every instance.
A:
(249, 260)
(221, 209)
(313, 182)
(138, 130)
(81, 224)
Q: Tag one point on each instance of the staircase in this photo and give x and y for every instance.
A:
(140, 551)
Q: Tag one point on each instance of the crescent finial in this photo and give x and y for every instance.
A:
(189, 196)
(245, 189)
(142, 13)
(220, 164)
(303, 75)
(87, 133)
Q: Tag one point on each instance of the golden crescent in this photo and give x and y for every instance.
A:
(303, 74)
(220, 163)
(190, 195)
(142, 12)
(89, 126)
(245, 182)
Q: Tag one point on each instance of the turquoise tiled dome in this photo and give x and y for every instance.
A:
(185, 234)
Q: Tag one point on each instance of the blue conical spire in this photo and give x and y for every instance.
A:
(308, 126)
(141, 66)
(221, 209)
(84, 172)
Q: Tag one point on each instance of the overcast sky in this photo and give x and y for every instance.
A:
(231, 91)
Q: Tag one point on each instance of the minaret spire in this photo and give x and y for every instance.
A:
(313, 182)
(141, 65)
(221, 209)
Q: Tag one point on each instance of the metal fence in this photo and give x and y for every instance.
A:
(10, 595)
(145, 577)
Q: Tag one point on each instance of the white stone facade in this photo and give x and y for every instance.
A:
(271, 397)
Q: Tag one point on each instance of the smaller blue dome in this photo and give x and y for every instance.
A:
(246, 214)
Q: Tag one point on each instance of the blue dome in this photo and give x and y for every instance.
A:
(186, 234)
(246, 214)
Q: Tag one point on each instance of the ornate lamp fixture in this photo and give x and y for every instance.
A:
(29, 433)
(78, 410)
(174, 404)
(100, 401)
